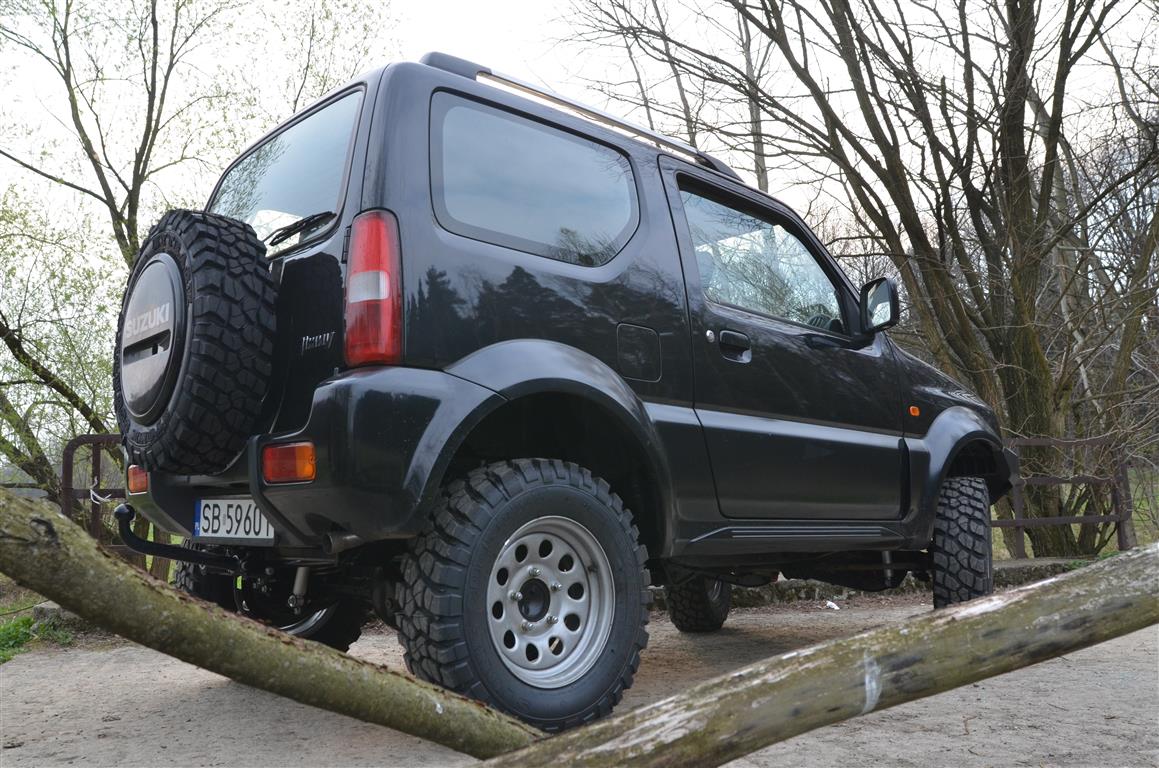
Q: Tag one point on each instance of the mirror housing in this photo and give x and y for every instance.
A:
(879, 304)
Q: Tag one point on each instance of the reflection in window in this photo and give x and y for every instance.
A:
(757, 265)
(514, 182)
(296, 173)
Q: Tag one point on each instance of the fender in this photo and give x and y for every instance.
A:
(932, 454)
(521, 367)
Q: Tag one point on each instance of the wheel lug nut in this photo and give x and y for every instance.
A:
(516, 596)
(556, 586)
(534, 571)
(552, 619)
(526, 626)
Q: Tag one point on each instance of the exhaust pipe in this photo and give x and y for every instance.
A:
(333, 543)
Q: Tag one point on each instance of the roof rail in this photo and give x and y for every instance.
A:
(468, 69)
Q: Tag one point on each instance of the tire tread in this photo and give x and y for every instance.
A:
(961, 551)
(434, 575)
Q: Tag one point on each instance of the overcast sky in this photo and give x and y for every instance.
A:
(516, 37)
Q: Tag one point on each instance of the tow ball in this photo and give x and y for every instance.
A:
(124, 513)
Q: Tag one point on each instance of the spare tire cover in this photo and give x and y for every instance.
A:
(195, 344)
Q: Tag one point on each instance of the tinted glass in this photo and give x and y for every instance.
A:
(758, 265)
(295, 173)
(511, 181)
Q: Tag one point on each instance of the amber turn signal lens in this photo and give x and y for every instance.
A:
(138, 479)
(915, 411)
(288, 463)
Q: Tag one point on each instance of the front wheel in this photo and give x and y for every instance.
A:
(527, 590)
(961, 553)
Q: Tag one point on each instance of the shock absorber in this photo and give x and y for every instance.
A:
(298, 597)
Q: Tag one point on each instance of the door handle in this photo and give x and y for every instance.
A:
(734, 339)
(735, 346)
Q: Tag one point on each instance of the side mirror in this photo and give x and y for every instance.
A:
(879, 305)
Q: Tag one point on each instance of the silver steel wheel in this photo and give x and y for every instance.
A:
(550, 602)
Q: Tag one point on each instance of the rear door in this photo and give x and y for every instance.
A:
(801, 417)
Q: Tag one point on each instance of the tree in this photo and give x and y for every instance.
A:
(141, 103)
(955, 141)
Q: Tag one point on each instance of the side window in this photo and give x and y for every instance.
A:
(515, 182)
(759, 265)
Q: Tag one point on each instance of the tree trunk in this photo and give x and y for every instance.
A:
(44, 551)
(778, 698)
(712, 723)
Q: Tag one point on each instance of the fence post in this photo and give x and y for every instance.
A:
(95, 526)
(1016, 503)
(1122, 495)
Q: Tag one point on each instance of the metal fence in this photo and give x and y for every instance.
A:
(1121, 503)
(93, 494)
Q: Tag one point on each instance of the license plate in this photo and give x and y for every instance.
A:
(233, 520)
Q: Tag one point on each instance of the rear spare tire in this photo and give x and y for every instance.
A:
(195, 344)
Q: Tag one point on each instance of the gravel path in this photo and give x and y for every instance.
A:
(121, 704)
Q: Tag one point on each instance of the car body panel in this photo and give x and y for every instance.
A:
(814, 453)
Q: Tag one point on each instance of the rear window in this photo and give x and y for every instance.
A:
(509, 180)
(296, 173)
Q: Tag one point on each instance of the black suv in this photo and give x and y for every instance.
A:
(492, 363)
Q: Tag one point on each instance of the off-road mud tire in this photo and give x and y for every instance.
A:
(962, 563)
(339, 629)
(213, 401)
(449, 564)
(698, 604)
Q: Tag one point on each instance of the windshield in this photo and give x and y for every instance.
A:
(294, 174)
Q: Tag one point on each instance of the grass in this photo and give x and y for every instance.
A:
(17, 634)
(17, 630)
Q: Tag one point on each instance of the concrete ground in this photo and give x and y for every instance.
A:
(115, 703)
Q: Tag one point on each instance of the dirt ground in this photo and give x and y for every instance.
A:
(113, 703)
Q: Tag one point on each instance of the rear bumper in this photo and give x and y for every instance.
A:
(381, 435)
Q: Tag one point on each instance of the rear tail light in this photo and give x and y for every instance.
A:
(373, 291)
(289, 463)
(138, 479)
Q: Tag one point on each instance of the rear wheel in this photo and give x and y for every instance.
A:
(698, 604)
(528, 590)
(337, 625)
(961, 553)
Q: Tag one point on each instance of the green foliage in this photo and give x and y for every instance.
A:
(18, 633)
(91, 153)
(14, 635)
(1076, 564)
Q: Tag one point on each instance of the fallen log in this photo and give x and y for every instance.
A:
(710, 724)
(772, 700)
(46, 552)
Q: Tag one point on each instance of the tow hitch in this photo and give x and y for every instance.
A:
(125, 514)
